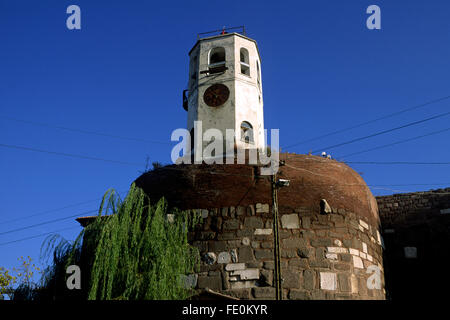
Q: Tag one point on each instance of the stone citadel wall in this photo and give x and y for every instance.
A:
(416, 233)
(323, 256)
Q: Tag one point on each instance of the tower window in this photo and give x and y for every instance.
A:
(247, 132)
(217, 57)
(194, 68)
(258, 73)
(245, 66)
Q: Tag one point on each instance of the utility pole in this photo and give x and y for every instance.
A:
(276, 238)
(276, 184)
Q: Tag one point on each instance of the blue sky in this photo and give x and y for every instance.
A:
(123, 72)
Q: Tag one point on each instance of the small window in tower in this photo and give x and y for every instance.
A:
(247, 132)
(217, 57)
(258, 74)
(194, 68)
(245, 66)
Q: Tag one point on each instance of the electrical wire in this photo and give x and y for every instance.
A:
(370, 121)
(46, 222)
(37, 236)
(394, 143)
(82, 131)
(68, 155)
(382, 132)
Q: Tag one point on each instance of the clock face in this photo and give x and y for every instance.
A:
(216, 95)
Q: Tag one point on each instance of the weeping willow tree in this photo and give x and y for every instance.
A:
(134, 250)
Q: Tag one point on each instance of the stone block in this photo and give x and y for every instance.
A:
(364, 246)
(243, 284)
(410, 252)
(305, 252)
(253, 222)
(328, 281)
(210, 258)
(224, 212)
(248, 274)
(256, 244)
(262, 232)
(264, 293)
(325, 208)
(331, 256)
(363, 224)
(298, 263)
(357, 262)
(324, 242)
(267, 277)
(309, 279)
(290, 221)
(207, 235)
(264, 254)
(337, 250)
(213, 283)
(319, 264)
(244, 233)
(243, 293)
(306, 222)
(354, 283)
(240, 210)
(231, 224)
(344, 282)
(226, 236)
(224, 257)
(296, 294)
(354, 252)
(254, 264)
(235, 266)
(342, 267)
(245, 254)
(262, 208)
(289, 253)
(267, 245)
(345, 257)
(293, 243)
(217, 246)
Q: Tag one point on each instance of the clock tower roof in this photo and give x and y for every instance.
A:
(218, 36)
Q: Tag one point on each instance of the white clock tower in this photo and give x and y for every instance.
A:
(225, 90)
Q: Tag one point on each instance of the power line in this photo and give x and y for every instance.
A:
(47, 211)
(46, 222)
(382, 132)
(37, 236)
(395, 143)
(369, 122)
(68, 154)
(53, 210)
(83, 131)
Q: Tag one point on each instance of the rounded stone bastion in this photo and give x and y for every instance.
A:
(330, 244)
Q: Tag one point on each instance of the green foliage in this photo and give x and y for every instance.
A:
(18, 282)
(134, 250)
(141, 254)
